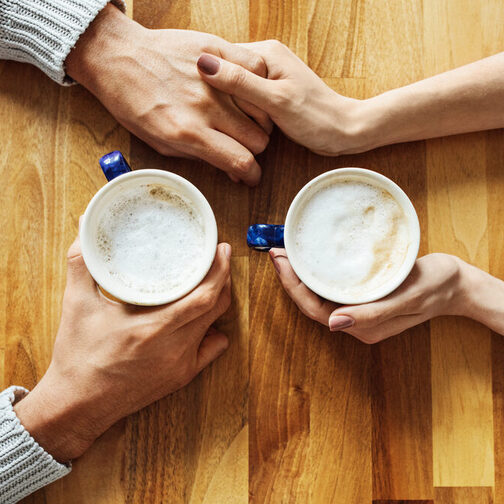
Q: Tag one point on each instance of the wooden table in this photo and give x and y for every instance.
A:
(291, 413)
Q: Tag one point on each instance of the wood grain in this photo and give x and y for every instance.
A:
(475, 495)
(462, 403)
(291, 414)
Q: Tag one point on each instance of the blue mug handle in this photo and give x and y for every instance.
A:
(114, 164)
(263, 237)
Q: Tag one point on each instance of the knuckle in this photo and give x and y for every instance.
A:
(368, 338)
(281, 95)
(258, 66)
(207, 299)
(237, 77)
(371, 318)
(276, 46)
(243, 163)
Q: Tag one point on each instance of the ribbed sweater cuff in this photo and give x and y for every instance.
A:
(24, 465)
(43, 32)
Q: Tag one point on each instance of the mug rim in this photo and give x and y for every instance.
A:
(413, 225)
(105, 281)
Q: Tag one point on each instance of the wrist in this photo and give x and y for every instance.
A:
(360, 121)
(482, 297)
(109, 32)
(58, 420)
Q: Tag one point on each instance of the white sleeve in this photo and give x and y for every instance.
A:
(43, 32)
(24, 465)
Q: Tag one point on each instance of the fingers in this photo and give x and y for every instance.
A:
(307, 301)
(77, 272)
(213, 345)
(229, 155)
(236, 124)
(259, 116)
(244, 57)
(236, 80)
(194, 332)
(204, 297)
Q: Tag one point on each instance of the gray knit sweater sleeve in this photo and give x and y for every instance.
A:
(42, 32)
(24, 465)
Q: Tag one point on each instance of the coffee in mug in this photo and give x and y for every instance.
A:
(351, 235)
(148, 237)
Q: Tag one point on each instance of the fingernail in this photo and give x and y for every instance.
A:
(339, 322)
(207, 64)
(275, 262)
(227, 250)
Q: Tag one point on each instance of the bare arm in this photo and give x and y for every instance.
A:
(469, 98)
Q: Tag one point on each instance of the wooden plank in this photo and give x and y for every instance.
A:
(400, 377)
(461, 360)
(403, 502)
(286, 21)
(493, 41)
(452, 495)
(336, 42)
(495, 188)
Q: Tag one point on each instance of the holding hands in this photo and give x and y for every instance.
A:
(297, 100)
(149, 82)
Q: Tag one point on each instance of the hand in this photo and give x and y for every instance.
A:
(148, 81)
(296, 99)
(437, 285)
(111, 359)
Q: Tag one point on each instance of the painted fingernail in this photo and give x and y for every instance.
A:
(207, 64)
(339, 322)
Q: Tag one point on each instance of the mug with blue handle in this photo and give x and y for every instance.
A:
(263, 237)
(120, 177)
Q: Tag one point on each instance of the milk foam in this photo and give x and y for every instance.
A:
(352, 237)
(151, 239)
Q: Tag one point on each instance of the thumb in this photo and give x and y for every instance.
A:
(213, 345)
(235, 80)
(77, 272)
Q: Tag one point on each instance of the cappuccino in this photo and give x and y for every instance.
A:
(151, 239)
(351, 237)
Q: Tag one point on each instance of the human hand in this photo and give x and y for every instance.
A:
(297, 100)
(111, 359)
(437, 285)
(148, 81)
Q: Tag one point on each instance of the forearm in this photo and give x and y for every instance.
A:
(469, 98)
(481, 297)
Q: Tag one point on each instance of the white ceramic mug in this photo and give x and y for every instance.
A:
(121, 178)
(265, 236)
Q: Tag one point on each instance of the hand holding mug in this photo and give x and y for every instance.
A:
(111, 359)
(433, 288)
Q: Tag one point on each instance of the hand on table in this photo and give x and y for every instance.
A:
(439, 284)
(112, 359)
(297, 100)
(148, 80)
